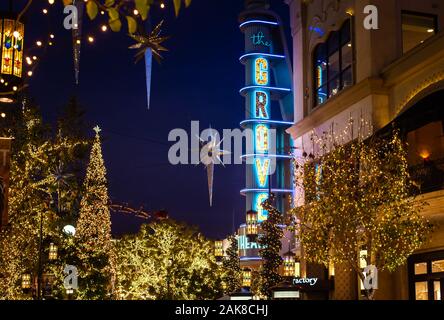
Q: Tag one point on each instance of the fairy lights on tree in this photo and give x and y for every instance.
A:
(94, 229)
(38, 190)
(358, 198)
(232, 272)
(270, 242)
(167, 260)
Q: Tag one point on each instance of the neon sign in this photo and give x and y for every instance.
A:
(261, 104)
(258, 40)
(261, 74)
(261, 139)
(262, 169)
(262, 214)
(244, 244)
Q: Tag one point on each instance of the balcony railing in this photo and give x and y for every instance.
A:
(428, 176)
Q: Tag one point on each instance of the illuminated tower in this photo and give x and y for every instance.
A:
(268, 110)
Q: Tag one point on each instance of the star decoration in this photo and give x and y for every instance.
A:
(212, 156)
(151, 41)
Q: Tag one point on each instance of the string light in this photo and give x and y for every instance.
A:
(352, 196)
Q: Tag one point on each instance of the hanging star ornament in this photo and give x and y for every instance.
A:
(152, 41)
(211, 153)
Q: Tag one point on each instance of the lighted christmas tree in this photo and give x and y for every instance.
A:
(359, 205)
(41, 191)
(167, 260)
(94, 247)
(231, 265)
(270, 242)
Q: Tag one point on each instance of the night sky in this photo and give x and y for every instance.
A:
(199, 79)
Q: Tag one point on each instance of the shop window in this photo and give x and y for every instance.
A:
(333, 64)
(438, 266)
(421, 291)
(417, 28)
(420, 268)
(426, 276)
(437, 290)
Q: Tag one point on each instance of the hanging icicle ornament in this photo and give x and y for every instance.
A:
(210, 155)
(77, 37)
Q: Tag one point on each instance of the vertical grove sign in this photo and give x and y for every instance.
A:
(267, 93)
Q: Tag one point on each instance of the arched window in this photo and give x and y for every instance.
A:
(333, 64)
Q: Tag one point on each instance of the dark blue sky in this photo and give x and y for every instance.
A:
(199, 79)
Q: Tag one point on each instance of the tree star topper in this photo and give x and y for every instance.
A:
(97, 129)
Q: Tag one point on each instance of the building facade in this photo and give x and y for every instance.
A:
(391, 74)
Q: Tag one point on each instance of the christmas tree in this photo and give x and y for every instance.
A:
(231, 265)
(270, 242)
(166, 260)
(93, 234)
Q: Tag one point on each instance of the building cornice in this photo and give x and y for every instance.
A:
(337, 104)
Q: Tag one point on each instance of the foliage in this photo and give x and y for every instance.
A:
(166, 260)
(270, 243)
(232, 272)
(358, 197)
(123, 10)
(40, 190)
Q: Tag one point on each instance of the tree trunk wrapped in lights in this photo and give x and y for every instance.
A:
(232, 273)
(270, 242)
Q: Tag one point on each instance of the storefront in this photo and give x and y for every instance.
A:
(426, 276)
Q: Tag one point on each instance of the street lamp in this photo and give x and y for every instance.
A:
(53, 251)
(12, 39)
(252, 225)
(289, 264)
(246, 278)
(218, 250)
(26, 282)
